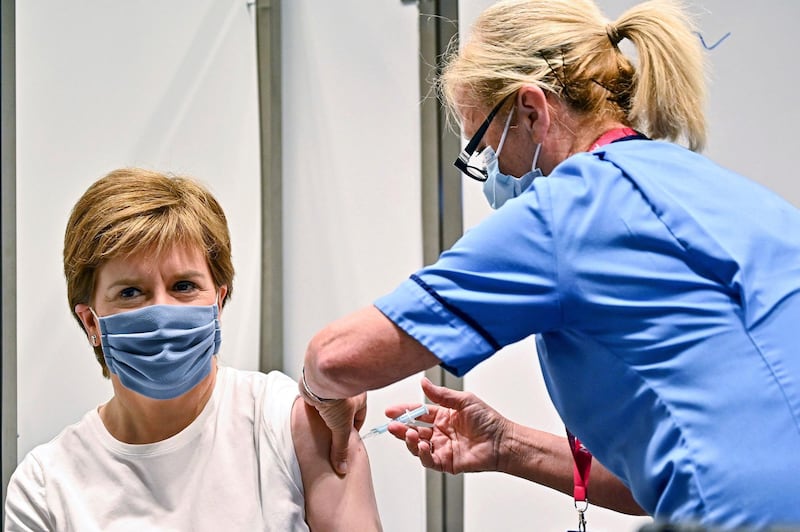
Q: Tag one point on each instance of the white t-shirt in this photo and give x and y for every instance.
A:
(233, 468)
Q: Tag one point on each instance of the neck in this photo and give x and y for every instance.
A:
(133, 418)
(586, 141)
(570, 135)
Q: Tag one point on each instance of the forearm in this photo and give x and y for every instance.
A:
(546, 459)
(361, 352)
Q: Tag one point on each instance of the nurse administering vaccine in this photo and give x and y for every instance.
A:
(663, 289)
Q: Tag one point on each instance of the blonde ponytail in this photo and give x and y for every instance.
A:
(569, 48)
(669, 90)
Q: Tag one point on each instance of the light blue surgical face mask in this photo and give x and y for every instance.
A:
(499, 187)
(161, 351)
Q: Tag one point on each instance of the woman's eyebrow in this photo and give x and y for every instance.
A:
(188, 273)
(125, 281)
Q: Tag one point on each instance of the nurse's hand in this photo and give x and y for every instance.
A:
(466, 436)
(341, 415)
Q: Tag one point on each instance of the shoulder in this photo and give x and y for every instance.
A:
(74, 440)
(26, 499)
(595, 185)
(272, 396)
(645, 150)
(280, 395)
(30, 472)
(658, 161)
(630, 157)
(275, 385)
(266, 399)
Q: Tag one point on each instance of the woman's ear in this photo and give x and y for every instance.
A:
(534, 113)
(89, 322)
(222, 292)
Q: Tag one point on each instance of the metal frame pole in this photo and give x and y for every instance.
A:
(268, 42)
(441, 202)
(442, 219)
(8, 238)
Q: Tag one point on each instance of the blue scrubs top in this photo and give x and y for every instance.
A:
(665, 294)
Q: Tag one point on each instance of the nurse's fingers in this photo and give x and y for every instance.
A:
(412, 440)
(398, 430)
(398, 410)
(425, 453)
(425, 433)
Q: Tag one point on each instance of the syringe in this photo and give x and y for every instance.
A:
(408, 418)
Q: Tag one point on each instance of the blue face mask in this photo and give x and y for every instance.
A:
(161, 351)
(499, 187)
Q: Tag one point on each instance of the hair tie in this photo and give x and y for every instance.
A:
(613, 34)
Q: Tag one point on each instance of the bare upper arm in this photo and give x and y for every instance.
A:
(332, 502)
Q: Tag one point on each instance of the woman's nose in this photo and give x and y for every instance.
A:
(161, 297)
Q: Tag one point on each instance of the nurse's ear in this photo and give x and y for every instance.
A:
(533, 112)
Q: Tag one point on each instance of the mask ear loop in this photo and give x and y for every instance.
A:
(94, 337)
(536, 156)
(97, 341)
(505, 132)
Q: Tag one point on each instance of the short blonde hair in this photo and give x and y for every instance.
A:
(132, 210)
(569, 48)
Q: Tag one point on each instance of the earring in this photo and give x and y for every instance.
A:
(94, 340)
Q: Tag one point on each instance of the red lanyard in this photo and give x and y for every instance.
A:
(580, 454)
(582, 459)
(583, 466)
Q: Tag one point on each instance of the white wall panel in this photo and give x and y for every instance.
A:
(352, 227)
(100, 85)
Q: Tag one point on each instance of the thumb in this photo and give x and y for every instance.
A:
(340, 438)
(444, 396)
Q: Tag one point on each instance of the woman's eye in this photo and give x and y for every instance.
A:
(130, 292)
(184, 286)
